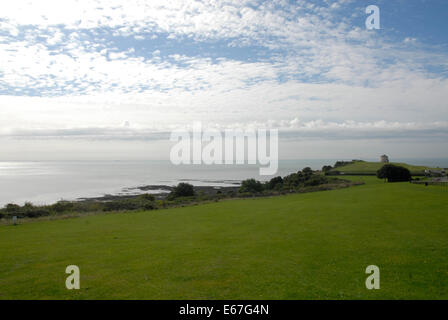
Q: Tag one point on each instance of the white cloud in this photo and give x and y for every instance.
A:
(321, 70)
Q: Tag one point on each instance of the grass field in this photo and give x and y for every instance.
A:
(365, 167)
(301, 246)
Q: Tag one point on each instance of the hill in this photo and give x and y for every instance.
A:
(370, 168)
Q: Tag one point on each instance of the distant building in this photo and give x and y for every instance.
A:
(384, 159)
(435, 173)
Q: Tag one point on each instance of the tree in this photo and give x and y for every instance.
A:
(251, 185)
(182, 190)
(393, 173)
(12, 208)
(326, 169)
(315, 180)
(147, 197)
(341, 163)
(62, 206)
(275, 183)
(307, 171)
(293, 180)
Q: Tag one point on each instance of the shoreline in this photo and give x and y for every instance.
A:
(165, 190)
(227, 194)
(47, 182)
(159, 191)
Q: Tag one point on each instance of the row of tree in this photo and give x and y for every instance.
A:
(304, 178)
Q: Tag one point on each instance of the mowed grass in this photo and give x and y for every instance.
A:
(302, 246)
(366, 167)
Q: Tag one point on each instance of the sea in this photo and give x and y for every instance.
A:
(46, 182)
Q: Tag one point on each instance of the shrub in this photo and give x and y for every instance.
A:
(36, 212)
(145, 201)
(231, 193)
(27, 210)
(275, 183)
(315, 180)
(326, 169)
(393, 173)
(342, 163)
(147, 197)
(121, 205)
(62, 206)
(182, 190)
(12, 208)
(149, 206)
(293, 180)
(307, 171)
(251, 186)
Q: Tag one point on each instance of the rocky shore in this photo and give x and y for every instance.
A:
(162, 192)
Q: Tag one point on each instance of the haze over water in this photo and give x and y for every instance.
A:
(49, 181)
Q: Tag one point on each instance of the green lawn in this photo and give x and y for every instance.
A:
(366, 167)
(303, 246)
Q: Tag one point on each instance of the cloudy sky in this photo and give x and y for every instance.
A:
(109, 79)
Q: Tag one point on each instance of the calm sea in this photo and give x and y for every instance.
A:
(50, 181)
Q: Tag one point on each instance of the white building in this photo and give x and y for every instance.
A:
(384, 159)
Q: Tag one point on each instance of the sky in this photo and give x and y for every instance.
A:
(110, 79)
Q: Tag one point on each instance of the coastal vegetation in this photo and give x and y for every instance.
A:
(305, 180)
(182, 190)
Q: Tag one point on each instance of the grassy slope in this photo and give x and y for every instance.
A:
(306, 246)
(371, 167)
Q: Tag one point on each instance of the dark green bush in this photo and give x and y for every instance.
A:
(394, 173)
(307, 172)
(315, 180)
(251, 186)
(147, 197)
(62, 206)
(326, 169)
(149, 205)
(36, 212)
(182, 190)
(27, 210)
(292, 180)
(117, 205)
(12, 208)
(275, 183)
